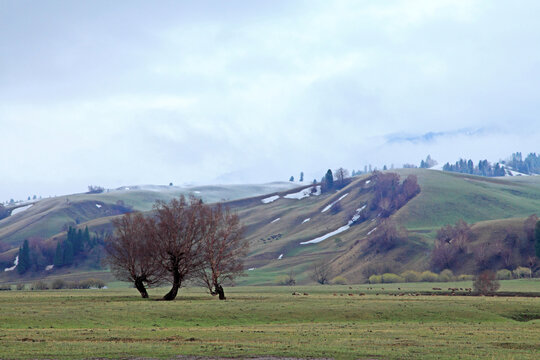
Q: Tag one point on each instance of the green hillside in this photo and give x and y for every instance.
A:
(276, 222)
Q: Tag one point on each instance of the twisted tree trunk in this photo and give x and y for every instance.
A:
(139, 285)
(177, 281)
(220, 292)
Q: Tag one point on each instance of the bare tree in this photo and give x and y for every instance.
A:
(130, 252)
(341, 174)
(486, 283)
(222, 249)
(321, 273)
(179, 229)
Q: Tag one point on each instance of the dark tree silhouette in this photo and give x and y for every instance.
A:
(179, 228)
(131, 252)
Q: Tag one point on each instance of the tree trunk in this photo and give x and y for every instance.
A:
(142, 289)
(220, 292)
(177, 281)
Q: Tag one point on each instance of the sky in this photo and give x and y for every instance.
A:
(116, 93)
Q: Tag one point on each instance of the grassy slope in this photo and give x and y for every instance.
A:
(49, 216)
(445, 198)
(266, 322)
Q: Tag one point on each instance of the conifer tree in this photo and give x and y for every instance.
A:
(537, 243)
(24, 258)
(301, 176)
(86, 237)
(58, 255)
(329, 179)
(68, 252)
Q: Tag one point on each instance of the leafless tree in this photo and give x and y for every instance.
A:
(341, 174)
(131, 253)
(486, 283)
(222, 249)
(179, 227)
(321, 273)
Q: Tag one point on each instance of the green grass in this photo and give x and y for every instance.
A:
(269, 321)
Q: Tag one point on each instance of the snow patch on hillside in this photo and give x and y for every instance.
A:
(15, 263)
(275, 220)
(98, 206)
(304, 193)
(280, 257)
(49, 267)
(21, 209)
(355, 218)
(335, 202)
(326, 236)
(510, 172)
(371, 231)
(270, 199)
(306, 220)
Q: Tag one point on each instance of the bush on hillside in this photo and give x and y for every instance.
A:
(429, 276)
(389, 278)
(446, 275)
(339, 280)
(375, 279)
(465, 277)
(411, 276)
(504, 274)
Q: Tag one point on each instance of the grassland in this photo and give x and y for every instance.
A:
(269, 321)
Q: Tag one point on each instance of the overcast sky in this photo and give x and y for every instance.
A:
(150, 92)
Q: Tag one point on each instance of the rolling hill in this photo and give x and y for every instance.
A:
(290, 229)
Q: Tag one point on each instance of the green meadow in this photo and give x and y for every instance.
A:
(329, 322)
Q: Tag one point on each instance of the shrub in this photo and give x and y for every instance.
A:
(375, 279)
(91, 284)
(411, 276)
(446, 275)
(71, 285)
(20, 286)
(339, 280)
(58, 284)
(486, 283)
(282, 280)
(521, 272)
(40, 285)
(504, 274)
(391, 278)
(465, 277)
(429, 276)
(5, 287)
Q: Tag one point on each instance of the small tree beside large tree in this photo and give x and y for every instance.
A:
(222, 250)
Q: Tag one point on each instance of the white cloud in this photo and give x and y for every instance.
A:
(243, 91)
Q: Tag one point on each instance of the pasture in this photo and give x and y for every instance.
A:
(270, 321)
